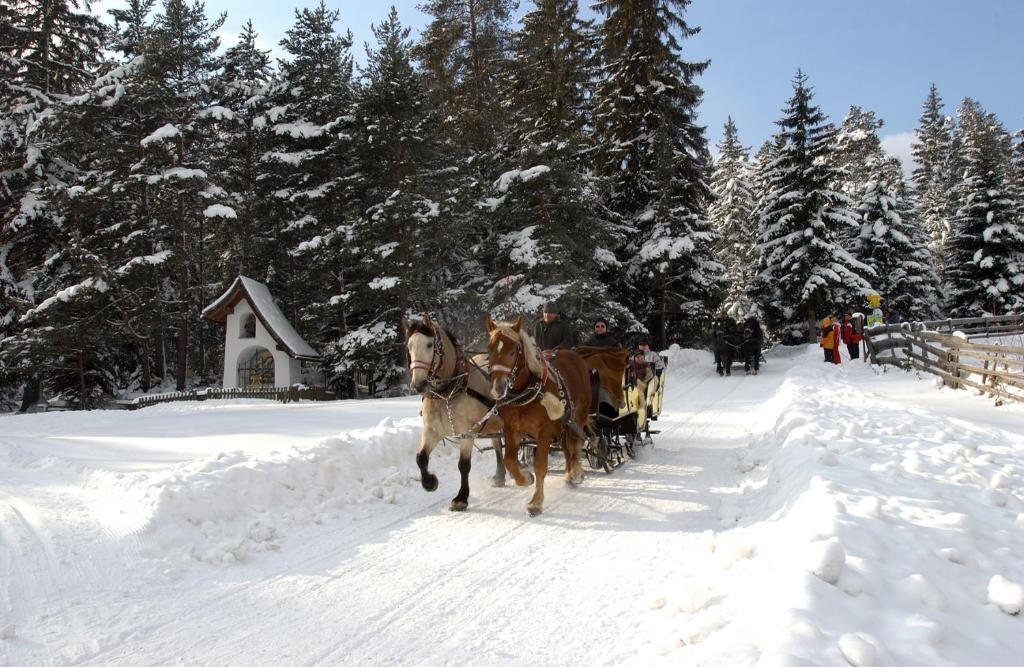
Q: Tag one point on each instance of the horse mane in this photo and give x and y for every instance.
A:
(417, 326)
(530, 349)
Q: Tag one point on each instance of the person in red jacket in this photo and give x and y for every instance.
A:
(851, 335)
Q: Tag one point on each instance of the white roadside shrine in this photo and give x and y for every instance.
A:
(261, 348)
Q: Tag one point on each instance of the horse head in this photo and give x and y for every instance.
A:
(505, 354)
(426, 351)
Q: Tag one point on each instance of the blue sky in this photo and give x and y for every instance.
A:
(879, 54)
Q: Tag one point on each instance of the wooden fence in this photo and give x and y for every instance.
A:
(283, 394)
(993, 369)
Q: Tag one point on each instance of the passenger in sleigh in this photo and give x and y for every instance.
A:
(602, 336)
(640, 375)
(652, 357)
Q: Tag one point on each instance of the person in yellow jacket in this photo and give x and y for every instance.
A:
(830, 339)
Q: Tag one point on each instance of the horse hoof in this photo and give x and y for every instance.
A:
(498, 482)
(534, 511)
(429, 482)
(458, 506)
(530, 479)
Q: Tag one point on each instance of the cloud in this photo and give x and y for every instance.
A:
(898, 145)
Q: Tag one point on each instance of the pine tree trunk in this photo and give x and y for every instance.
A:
(663, 329)
(182, 369)
(183, 295)
(477, 73)
(81, 380)
(161, 353)
(147, 373)
(812, 328)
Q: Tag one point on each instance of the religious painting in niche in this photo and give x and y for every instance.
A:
(256, 369)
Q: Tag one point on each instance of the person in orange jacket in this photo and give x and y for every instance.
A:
(851, 336)
(830, 335)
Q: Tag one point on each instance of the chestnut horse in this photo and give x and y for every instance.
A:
(546, 397)
(455, 401)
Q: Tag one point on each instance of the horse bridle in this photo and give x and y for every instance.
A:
(532, 391)
(436, 359)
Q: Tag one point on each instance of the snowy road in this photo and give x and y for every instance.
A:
(256, 533)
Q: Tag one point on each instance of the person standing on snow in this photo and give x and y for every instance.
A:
(851, 336)
(830, 335)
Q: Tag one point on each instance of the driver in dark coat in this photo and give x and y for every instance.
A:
(552, 332)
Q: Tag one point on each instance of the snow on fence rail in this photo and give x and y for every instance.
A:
(952, 356)
(283, 394)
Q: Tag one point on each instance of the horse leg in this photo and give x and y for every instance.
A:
(512, 459)
(461, 500)
(540, 470)
(499, 466)
(573, 459)
(427, 478)
(718, 361)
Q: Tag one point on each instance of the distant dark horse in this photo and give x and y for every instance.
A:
(750, 347)
(723, 343)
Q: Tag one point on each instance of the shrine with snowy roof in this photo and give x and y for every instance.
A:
(261, 348)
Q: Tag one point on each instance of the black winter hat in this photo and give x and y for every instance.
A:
(551, 307)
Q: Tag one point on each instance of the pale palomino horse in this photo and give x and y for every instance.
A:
(455, 401)
(546, 397)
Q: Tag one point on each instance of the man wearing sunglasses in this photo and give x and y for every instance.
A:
(602, 337)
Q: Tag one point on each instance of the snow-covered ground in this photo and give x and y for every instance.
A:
(810, 515)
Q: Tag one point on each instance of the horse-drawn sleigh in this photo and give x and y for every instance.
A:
(583, 403)
(737, 343)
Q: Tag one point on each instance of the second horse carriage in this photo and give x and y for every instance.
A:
(588, 402)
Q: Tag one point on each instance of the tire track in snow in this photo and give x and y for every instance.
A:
(36, 568)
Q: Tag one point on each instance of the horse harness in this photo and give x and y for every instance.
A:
(446, 389)
(534, 390)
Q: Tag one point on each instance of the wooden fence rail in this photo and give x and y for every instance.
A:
(995, 370)
(283, 394)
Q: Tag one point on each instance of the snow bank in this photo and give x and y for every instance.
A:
(855, 504)
(232, 506)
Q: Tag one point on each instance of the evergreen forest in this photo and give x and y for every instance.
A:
(489, 164)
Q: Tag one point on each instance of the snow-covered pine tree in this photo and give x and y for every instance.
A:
(1017, 162)
(855, 149)
(463, 53)
(549, 80)
(105, 128)
(398, 246)
(549, 236)
(802, 221)
(47, 50)
(311, 170)
(984, 252)
(931, 147)
(242, 234)
(892, 241)
(654, 156)
(178, 80)
(733, 217)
